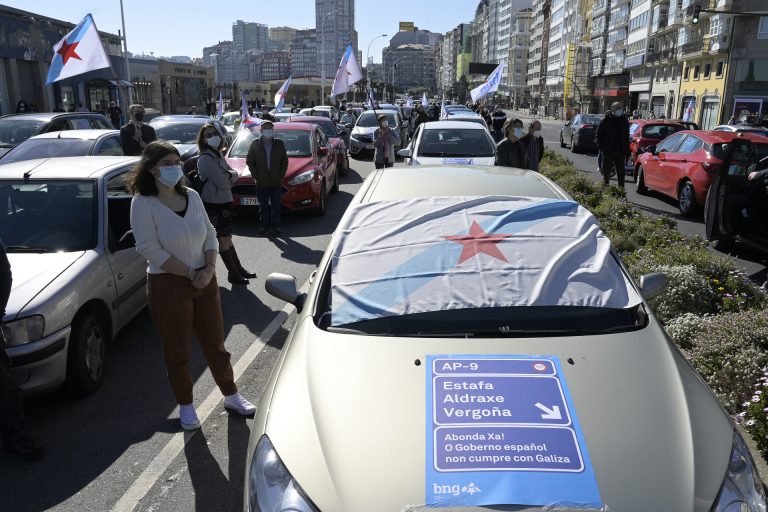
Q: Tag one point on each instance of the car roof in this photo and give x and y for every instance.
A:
(288, 125)
(456, 180)
(181, 118)
(719, 136)
(665, 122)
(452, 125)
(47, 116)
(72, 167)
(309, 119)
(464, 115)
(76, 134)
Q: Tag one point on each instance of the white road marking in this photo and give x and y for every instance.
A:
(175, 445)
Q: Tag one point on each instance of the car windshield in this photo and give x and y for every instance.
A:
(178, 133)
(595, 120)
(297, 143)
(660, 131)
(48, 216)
(369, 119)
(317, 112)
(328, 127)
(229, 120)
(47, 148)
(453, 142)
(15, 131)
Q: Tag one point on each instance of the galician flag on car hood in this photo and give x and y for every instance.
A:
(349, 72)
(80, 51)
(490, 85)
(280, 95)
(442, 253)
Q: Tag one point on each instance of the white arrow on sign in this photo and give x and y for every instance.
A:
(549, 414)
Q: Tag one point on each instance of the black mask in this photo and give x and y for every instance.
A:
(139, 116)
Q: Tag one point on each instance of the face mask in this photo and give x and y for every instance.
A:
(385, 124)
(170, 175)
(267, 134)
(518, 132)
(537, 134)
(214, 141)
(139, 116)
(618, 112)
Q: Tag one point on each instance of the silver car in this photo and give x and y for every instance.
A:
(77, 278)
(404, 387)
(66, 143)
(361, 138)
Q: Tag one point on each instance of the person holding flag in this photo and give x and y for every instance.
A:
(384, 141)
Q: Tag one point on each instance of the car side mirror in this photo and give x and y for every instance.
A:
(652, 285)
(405, 153)
(283, 287)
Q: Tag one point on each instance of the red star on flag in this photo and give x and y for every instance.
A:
(67, 51)
(478, 241)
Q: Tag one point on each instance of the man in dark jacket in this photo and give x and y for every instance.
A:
(511, 152)
(421, 117)
(498, 118)
(135, 135)
(268, 161)
(534, 144)
(612, 139)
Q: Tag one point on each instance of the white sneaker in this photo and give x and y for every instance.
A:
(239, 405)
(188, 417)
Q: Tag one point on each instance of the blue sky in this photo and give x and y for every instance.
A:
(173, 27)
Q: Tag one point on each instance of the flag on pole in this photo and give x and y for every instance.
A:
(371, 98)
(246, 121)
(220, 107)
(443, 112)
(281, 94)
(688, 116)
(424, 101)
(490, 85)
(409, 102)
(349, 72)
(80, 51)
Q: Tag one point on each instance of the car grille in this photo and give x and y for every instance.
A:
(364, 138)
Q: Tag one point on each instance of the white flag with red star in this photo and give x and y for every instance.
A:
(80, 51)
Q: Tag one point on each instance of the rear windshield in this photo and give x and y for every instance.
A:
(328, 127)
(660, 131)
(452, 142)
(179, 133)
(47, 148)
(297, 143)
(595, 120)
(16, 131)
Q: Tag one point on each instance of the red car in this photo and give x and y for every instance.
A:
(311, 173)
(647, 132)
(329, 127)
(684, 165)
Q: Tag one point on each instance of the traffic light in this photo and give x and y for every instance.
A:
(696, 13)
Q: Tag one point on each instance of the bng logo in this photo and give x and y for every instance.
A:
(456, 490)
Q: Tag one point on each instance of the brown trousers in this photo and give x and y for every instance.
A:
(178, 309)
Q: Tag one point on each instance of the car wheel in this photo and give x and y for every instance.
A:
(723, 244)
(574, 148)
(640, 181)
(85, 355)
(345, 170)
(321, 208)
(562, 144)
(686, 200)
(335, 187)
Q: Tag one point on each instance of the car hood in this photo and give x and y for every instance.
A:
(32, 273)
(187, 150)
(295, 166)
(348, 417)
(360, 130)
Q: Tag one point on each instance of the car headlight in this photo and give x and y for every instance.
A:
(302, 178)
(742, 489)
(24, 330)
(271, 488)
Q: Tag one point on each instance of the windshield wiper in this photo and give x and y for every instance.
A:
(24, 248)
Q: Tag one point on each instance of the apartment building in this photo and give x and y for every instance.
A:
(661, 60)
(638, 39)
(537, 54)
(568, 56)
(517, 60)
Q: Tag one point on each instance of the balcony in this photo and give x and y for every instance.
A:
(597, 31)
(634, 61)
(716, 44)
(692, 49)
(618, 22)
(599, 9)
(659, 24)
(620, 44)
(614, 69)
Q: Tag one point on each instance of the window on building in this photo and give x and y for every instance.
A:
(687, 73)
(762, 29)
(696, 71)
(720, 68)
(707, 70)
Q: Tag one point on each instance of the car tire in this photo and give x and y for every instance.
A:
(562, 143)
(85, 354)
(574, 148)
(321, 208)
(335, 187)
(345, 170)
(640, 187)
(686, 200)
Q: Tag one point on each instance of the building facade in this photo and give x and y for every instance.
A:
(249, 36)
(641, 19)
(282, 36)
(274, 65)
(537, 55)
(661, 61)
(335, 26)
(411, 66)
(517, 60)
(304, 53)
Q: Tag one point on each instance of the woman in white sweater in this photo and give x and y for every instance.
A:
(173, 232)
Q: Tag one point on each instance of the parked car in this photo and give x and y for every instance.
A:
(579, 132)
(228, 121)
(284, 116)
(361, 138)
(77, 278)
(467, 116)
(450, 142)
(736, 208)
(644, 133)
(332, 132)
(430, 303)
(322, 110)
(66, 143)
(684, 165)
(311, 174)
(457, 109)
(16, 128)
(182, 130)
(760, 130)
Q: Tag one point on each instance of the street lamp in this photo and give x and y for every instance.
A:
(368, 56)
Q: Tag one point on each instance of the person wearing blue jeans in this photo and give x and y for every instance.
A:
(268, 161)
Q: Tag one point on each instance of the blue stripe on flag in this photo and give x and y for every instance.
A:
(381, 296)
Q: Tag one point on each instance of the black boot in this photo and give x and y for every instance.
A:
(234, 275)
(243, 272)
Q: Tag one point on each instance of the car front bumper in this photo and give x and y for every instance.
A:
(41, 366)
(356, 146)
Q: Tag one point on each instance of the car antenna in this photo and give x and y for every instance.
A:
(27, 175)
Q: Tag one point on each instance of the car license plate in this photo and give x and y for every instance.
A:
(458, 161)
(249, 201)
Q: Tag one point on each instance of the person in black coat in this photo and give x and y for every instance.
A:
(511, 152)
(612, 139)
(135, 135)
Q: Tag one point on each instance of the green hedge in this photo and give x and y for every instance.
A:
(713, 312)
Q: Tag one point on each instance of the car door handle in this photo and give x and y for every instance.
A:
(120, 275)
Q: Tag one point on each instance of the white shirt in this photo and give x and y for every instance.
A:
(161, 233)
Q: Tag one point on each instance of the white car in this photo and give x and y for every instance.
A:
(466, 116)
(451, 143)
(66, 143)
(361, 138)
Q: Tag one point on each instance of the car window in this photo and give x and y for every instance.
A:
(14, 130)
(47, 148)
(60, 125)
(670, 143)
(98, 123)
(633, 128)
(48, 215)
(80, 123)
(117, 185)
(453, 142)
(369, 120)
(322, 140)
(179, 133)
(110, 146)
(660, 131)
(297, 143)
(690, 144)
(119, 199)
